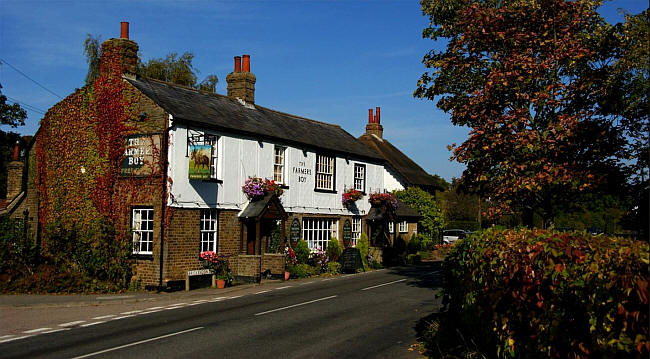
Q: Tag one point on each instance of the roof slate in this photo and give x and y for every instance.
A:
(410, 171)
(221, 112)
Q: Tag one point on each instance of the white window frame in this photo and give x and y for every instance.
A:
(208, 239)
(391, 227)
(214, 156)
(360, 177)
(317, 232)
(356, 230)
(325, 171)
(142, 230)
(279, 162)
(403, 227)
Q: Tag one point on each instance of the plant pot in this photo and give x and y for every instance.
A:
(221, 283)
(286, 275)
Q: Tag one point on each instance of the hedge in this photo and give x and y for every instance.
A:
(543, 294)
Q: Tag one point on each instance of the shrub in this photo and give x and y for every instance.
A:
(540, 294)
(413, 259)
(302, 251)
(414, 244)
(300, 270)
(399, 245)
(333, 250)
(334, 267)
(363, 246)
(375, 264)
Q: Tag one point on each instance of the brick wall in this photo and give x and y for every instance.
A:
(229, 233)
(273, 262)
(182, 245)
(247, 265)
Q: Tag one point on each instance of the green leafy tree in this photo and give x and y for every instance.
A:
(12, 115)
(172, 68)
(432, 220)
(519, 74)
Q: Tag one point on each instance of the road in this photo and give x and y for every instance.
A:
(371, 315)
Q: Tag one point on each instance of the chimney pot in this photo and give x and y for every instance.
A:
(378, 116)
(124, 30)
(246, 63)
(16, 155)
(370, 117)
(237, 64)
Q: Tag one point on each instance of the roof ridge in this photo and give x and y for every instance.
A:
(184, 87)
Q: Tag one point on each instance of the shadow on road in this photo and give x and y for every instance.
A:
(424, 275)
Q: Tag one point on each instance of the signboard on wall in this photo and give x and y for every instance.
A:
(199, 168)
(347, 234)
(294, 233)
(141, 155)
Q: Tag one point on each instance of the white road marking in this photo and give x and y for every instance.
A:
(91, 324)
(7, 336)
(124, 316)
(104, 317)
(55, 330)
(235, 297)
(71, 324)
(14, 338)
(137, 343)
(36, 330)
(151, 311)
(296, 305)
(306, 283)
(264, 291)
(131, 312)
(118, 297)
(155, 308)
(381, 285)
(285, 287)
(200, 301)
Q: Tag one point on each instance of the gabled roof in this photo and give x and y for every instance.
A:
(405, 167)
(267, 207)
(214, 111)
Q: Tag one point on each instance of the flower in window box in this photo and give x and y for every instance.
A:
(350, 196)
(386, 200)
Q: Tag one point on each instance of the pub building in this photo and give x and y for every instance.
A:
(208, 145)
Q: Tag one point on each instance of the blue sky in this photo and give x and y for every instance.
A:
(326, 60)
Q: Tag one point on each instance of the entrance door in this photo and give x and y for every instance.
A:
(250, 238)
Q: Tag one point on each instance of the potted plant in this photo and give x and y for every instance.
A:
(219, 265)
(255, 188)
(350, 196)
(386, 200)
(290, 259)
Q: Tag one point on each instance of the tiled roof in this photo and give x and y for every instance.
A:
(405, 167)
(223, 113)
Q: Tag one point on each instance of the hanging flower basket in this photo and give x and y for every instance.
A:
(255, 188)
(350, 196)
(386, 200)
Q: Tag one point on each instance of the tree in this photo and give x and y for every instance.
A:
(173, 68)
(92, 51)
(11, 114)
(519, 73)
(431, 222)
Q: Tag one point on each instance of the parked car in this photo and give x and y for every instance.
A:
(452, 235)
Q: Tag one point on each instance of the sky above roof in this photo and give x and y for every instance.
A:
(326, 60)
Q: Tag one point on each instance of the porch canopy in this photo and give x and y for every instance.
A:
(256, 218)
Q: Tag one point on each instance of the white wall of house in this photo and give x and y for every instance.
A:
(241, 157)
(392, 181)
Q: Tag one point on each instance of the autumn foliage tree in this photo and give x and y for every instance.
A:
(518, 73)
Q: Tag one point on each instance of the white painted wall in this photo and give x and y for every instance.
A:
(240, 158)
(392, 181)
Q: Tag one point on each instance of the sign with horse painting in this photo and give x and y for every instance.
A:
(199, 168)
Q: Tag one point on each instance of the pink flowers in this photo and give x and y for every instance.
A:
(256, 188)
(383, 199)
(350, 196)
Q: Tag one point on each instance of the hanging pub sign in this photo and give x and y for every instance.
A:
(141, 154)
(199, 168)
(294, 233)
(347, 234)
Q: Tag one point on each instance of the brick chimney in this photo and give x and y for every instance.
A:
(119, 54)
(14, 175)
(241, 82)
(373, 127)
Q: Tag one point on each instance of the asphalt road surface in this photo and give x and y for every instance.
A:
(372, 315)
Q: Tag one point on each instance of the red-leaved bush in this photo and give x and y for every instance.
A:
(543, 294)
